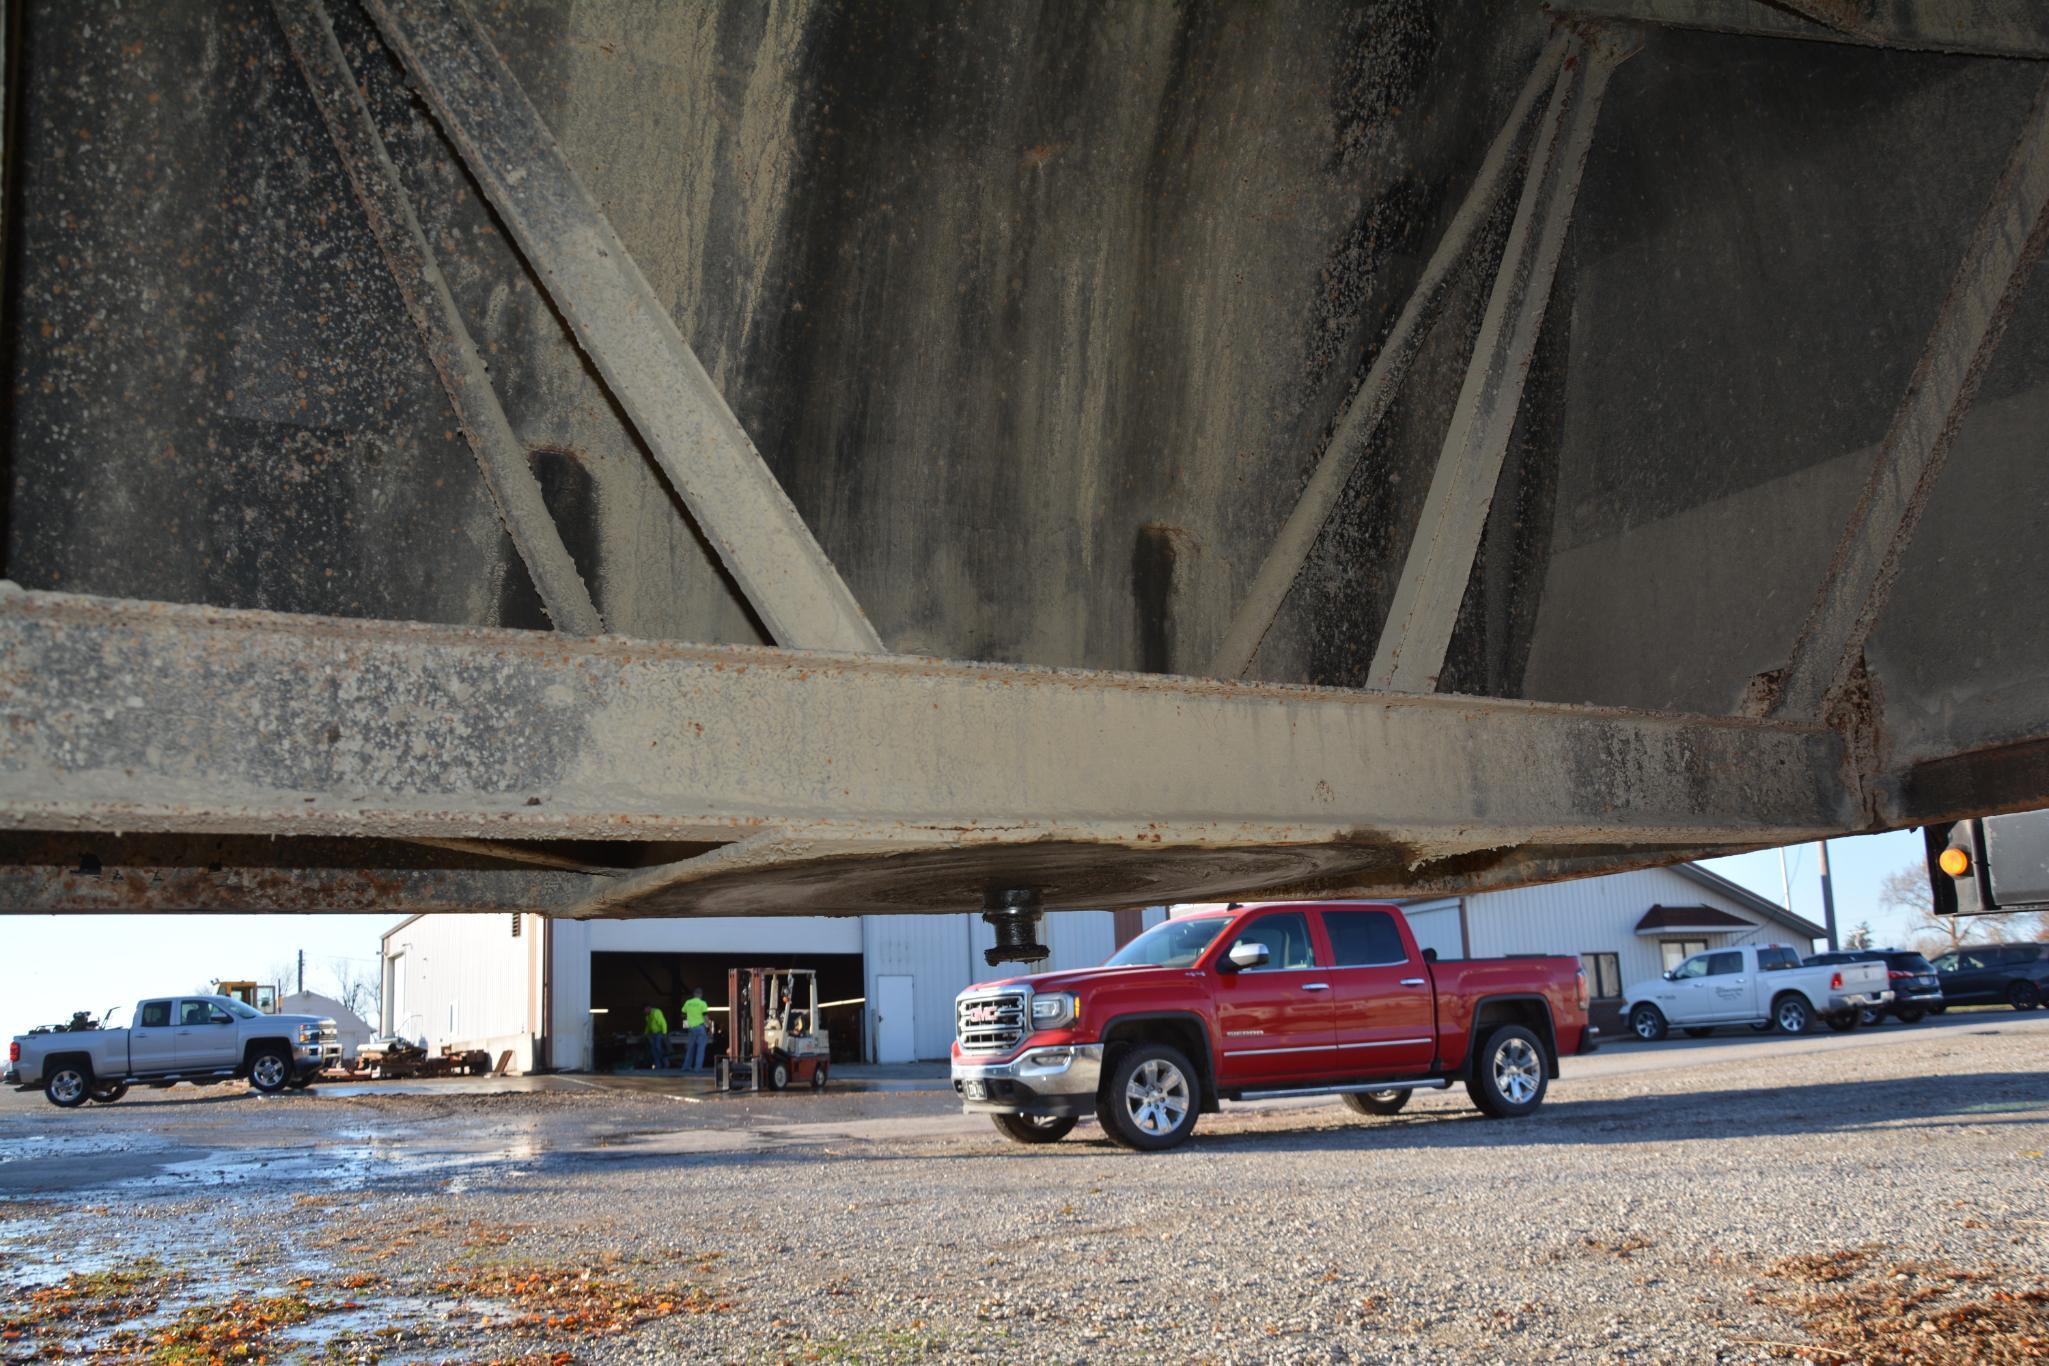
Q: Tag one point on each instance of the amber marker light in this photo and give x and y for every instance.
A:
(1955, 862)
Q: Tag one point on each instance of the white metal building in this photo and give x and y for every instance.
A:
(566, 993)
(1623, 927)
(558, 993)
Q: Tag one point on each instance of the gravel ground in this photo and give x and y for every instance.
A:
(1731, 1201)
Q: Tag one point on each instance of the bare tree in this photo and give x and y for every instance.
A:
(357, 986)
(1907, 890)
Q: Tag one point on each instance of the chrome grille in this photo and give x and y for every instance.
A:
(992, 1022)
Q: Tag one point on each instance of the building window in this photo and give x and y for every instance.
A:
(1677, 951)
(1604, 975)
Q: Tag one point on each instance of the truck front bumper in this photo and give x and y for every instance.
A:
(1058, 1082)
(310, 1058)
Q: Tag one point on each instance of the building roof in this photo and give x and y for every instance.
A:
(1663, 919)
(1749, 900)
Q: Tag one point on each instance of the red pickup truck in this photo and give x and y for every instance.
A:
(1255, 1002)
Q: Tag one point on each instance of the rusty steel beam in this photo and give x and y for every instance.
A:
(1412, 644)
(501, 456)
(1991, 28)
(95, 873)
(1375, 394)
(623, 327)
(124, 716)
(1829, 652)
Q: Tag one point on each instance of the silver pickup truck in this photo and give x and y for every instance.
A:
(200, 1039)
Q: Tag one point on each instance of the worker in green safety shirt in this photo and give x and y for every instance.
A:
(655, 1026)
(694, 1011)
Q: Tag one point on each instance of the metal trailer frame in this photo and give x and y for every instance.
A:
(165, 757)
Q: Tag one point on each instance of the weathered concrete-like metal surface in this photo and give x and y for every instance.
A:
(325, 726)
(1049, 321)
(624, 329)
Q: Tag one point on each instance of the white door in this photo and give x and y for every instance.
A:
(896, 1035)
(1691, 1001)
(207, 1037)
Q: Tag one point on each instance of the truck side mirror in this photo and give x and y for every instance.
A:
(1430, 955)
(1245, 954)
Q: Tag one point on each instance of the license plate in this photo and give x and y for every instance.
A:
(974, 1090)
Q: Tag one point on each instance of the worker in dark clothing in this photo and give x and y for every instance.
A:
(655, 1026)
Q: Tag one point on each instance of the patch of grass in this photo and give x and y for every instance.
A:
(575, 1302)
(84, 1302)
(243, 1329)
(893, 1345)
(1863, 1304)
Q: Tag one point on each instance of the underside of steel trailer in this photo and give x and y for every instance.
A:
(609, 457)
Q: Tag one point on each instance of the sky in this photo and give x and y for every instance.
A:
(53, 965)
(1856, 866)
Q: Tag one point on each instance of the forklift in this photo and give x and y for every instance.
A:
(775, 1037)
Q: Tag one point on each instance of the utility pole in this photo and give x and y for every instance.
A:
(1828, 900)
(1824, 882)
(1785, 880)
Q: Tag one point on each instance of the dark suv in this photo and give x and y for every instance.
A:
(1988, 974)
(1916, 989)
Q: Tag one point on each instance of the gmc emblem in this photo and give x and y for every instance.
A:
(982, 1014)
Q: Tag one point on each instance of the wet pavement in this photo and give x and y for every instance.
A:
(642, 1216)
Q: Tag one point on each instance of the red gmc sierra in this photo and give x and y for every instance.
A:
(1256, 1002)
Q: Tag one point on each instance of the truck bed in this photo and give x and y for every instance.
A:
(1462, 984)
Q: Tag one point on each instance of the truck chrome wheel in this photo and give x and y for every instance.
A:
(1516, 1070)
(66, 1087)
(1509, 1072)
(269, 1073)
(1157, 1097)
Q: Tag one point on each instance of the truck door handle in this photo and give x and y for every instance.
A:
(1316, 986)
(1414, 982)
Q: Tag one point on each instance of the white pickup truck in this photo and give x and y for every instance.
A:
(1763, 986)
(200, 1039)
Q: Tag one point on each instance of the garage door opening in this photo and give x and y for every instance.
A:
(624, 985)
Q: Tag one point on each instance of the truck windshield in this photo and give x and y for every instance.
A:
(1174, 944)
(239, 1009)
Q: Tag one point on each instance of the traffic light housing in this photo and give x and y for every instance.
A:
(1958, 891)
(1989, 864)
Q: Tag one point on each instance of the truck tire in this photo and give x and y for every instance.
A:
(1033, 1129)
(1375, 1102)
(778, 1078)
(1911, 1015)
(819, 1076)
(1647, 1022)
(1510, 1074)
(2024, 996)
(1699, 1031)
(1843, 1021)
(1792, 1014)
(1150, 1099)
(68, 1086)
(107, 1095)
(270, 1070)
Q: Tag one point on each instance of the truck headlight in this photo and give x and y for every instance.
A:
(1055, 1010)
(309, 1034)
